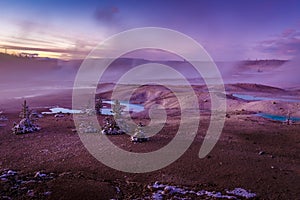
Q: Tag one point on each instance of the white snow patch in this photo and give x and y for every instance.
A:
(62, 110)
(40, 175)
(160, 190)
(11, 172)
(242, 193)
(157, 195)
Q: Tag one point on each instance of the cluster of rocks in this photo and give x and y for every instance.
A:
(15, 185)
(27, 122)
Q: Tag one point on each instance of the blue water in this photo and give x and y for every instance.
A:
(61, 110)
(129, 107)
(280, 118)
(255, 98)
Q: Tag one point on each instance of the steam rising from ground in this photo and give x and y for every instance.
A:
(29, 77)
(287, 75)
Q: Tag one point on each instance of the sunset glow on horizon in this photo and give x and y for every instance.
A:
(231, 30)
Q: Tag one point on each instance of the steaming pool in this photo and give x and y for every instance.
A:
(258, 98)
(128, 107)
(280, 118)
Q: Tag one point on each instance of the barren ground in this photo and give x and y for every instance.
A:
(256, 154)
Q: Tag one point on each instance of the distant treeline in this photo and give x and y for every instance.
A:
(272, 62)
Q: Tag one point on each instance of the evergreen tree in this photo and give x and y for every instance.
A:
(26, 125)
(117, 109)
(25, 111)
(98, 106)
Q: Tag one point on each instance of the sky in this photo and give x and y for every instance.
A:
(229, 30)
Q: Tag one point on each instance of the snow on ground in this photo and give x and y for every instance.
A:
(162, 190)
(62, 110)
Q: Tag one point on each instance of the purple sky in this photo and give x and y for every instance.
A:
(228, 30)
